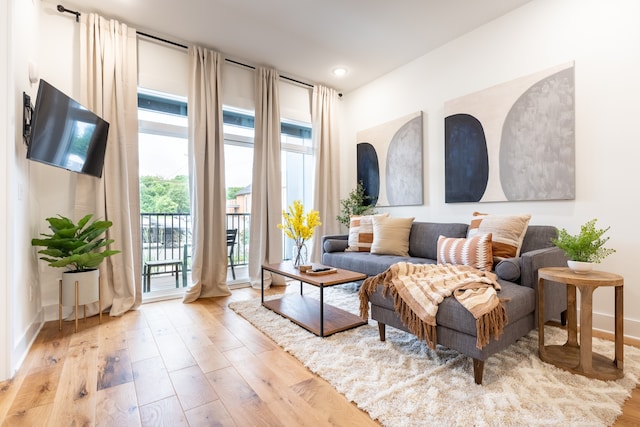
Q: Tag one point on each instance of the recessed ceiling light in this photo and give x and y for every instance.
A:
(339, 71)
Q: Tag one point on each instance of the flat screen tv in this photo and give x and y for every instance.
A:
(66, 134)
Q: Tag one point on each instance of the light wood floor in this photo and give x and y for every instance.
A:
(177, 364)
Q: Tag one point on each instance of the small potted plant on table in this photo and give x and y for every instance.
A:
(585, 248)
(77, 248)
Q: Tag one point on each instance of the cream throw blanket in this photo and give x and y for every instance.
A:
(418, 289)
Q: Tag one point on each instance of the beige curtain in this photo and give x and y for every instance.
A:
(324, 122)
(108, 72)
(265, 244)
(206, 177)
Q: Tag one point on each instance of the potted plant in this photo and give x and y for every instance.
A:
(585, 248)
(77, 248)
(357, 203)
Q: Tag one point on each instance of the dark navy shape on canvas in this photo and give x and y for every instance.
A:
(368, 171)
(466, 159)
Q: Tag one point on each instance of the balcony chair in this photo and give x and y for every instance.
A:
(231, 242)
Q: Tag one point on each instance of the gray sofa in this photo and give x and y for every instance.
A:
(456, 327)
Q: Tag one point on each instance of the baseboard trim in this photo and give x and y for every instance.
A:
(22, 347)
(605, 324)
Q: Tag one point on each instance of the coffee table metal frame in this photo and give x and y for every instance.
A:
(303, 310)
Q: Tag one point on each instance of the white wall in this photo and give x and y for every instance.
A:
(21, 307)
(5, 137)
(53, 189)
(602, 38)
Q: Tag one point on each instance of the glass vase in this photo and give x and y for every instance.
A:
(299, 255)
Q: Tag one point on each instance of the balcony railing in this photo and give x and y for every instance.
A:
(168, 236)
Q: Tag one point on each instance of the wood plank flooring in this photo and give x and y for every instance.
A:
(176, 364)
(170, 364)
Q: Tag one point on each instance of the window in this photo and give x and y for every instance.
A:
(164, 185)
(163, 161)
(298, 166)
(238, 128)
(164, 174)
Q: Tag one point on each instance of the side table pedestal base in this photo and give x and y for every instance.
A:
(568, 358)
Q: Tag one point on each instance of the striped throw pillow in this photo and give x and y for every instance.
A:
(474, 252)
(508, 232)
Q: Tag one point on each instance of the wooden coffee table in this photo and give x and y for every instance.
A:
(315, 316)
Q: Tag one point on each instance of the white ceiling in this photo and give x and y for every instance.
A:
(307, 39)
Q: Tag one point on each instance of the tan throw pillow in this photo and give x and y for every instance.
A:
(391, 235)
(361, 233)
(508, 232)
(475, 252)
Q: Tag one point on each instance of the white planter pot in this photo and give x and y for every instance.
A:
(580, 267)
(88, 287)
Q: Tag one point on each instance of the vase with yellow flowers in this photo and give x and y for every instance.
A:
(299, 226)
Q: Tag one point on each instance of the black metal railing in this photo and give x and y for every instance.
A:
(168, 236)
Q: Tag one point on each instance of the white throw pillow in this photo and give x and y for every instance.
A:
(508, 232)
(391, 235)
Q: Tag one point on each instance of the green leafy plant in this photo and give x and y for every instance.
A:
(358, 203)
(75, 247)
(586, 246)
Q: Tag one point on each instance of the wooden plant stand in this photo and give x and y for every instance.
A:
(84, 306)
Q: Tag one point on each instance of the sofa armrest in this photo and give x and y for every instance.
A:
(555, 294)
(531, 261)
(334, 243)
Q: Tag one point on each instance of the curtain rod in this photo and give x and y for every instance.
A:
(63, 9)
(140, 33)
(231, 61)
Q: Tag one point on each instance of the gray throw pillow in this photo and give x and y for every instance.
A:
(509, 269)
(335, 245)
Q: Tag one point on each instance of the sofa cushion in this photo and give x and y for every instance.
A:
(508, 232)
(474, 252)
(366, 262)
(361, 233)
(391, 235)
(519, 301)
(509, 269)
(423, 239)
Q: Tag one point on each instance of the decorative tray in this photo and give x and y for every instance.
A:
(321, 273)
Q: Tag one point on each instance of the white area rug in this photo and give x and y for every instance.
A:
(401, 382)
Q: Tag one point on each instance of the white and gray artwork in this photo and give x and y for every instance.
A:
(389, 162)
(514, 141)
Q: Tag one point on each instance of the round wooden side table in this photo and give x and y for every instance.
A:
(573, 356)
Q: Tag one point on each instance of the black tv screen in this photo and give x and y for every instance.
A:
(66, 134)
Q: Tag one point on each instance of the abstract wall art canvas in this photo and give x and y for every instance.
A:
(514, 141)
(389, 162)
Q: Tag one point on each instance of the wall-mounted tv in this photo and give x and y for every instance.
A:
(66, 134)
